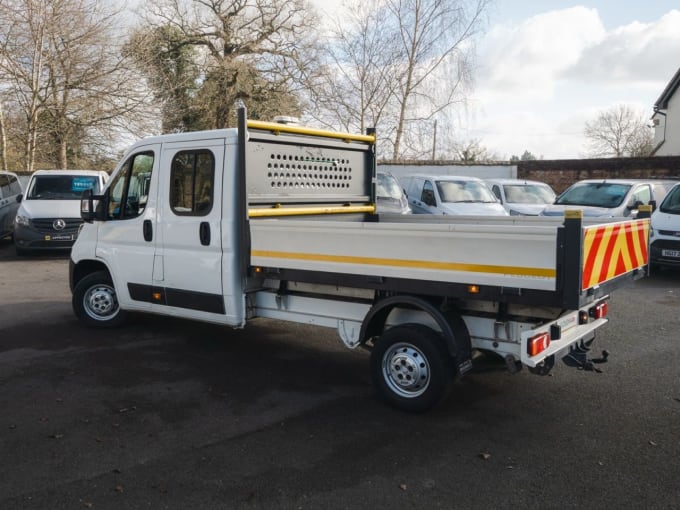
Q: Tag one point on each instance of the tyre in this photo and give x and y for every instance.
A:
(411, 368)
(95, 302)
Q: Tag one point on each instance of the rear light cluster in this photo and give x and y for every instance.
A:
(599, 311)
(539, 343)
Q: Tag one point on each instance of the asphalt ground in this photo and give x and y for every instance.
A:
(165, 413)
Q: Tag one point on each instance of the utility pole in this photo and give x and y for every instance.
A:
(434, 140)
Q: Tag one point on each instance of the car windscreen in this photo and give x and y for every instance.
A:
(528, 194)
(387, 187)
(594, 194)
(61, 187)
(465, 191)
(671, 204)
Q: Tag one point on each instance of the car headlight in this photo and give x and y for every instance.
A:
(22, 221)
(514, 213)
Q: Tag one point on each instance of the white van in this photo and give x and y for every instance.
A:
(10, 189)
(451, 194)
(609, 198)
(521, 197)
(49, 213)
(664, 237)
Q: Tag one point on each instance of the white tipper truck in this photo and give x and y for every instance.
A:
(278, 221)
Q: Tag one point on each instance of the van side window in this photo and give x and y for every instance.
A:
(191, 183)
(14, 185)
(4, 186)
(428, 194)
(129, 189)
(642, 194)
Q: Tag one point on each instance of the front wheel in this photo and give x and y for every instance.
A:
(411, 367)
(95, 302)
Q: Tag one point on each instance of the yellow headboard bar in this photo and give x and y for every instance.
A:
(298, 211)
(285, 128)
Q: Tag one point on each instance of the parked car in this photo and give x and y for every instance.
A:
(521, 197)
(390, 196)
(10, 189)
(609, 197)
(451, 194)
(49, 213)
(665, 234)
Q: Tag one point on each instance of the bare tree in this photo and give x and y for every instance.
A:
(21, 60)
(62, 60)
(400, 66)
(619, 131)
(355, 90)
(3, 139)
(254, 50)
(433, 35)
(471, 151)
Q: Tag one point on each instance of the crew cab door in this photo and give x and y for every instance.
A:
(188, 267)
(126, 239)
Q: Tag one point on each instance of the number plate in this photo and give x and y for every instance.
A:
(59, 237)
(671, 253)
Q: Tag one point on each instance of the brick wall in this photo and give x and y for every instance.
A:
(561, 173)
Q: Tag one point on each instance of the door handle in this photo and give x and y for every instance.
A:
(204, 233)
(147, 228)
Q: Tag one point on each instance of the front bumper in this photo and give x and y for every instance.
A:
(44, 234)
(665, 252)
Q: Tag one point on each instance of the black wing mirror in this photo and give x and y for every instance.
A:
(91, 206)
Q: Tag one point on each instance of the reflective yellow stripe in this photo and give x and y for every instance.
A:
(416, 264)
(298, 211)
(285, 128)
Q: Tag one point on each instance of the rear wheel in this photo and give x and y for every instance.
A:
(411, 367)
(95, 301)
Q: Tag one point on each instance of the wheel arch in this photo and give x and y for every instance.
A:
(450, 323)
(77, 271)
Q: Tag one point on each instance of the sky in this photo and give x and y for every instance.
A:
(545, 67)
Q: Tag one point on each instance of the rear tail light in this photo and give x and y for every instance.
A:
(600, 310)
(537, 344)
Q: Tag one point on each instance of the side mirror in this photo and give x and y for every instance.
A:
(87, 206)
(653, 204)
(90, 206)
(20, 197)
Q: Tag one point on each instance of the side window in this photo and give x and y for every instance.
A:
(428, 194)
(14, 185)
(4, 186)
(642, 194)
(192, 182)
(129, 189)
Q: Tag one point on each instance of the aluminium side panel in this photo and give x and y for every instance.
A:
(494, 255)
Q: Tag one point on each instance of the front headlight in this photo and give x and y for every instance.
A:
(22, 221)
(515, 213)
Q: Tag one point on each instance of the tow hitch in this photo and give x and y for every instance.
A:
(578, 357)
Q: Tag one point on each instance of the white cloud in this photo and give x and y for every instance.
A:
(539, 81)
(525, 60)
(638, 53)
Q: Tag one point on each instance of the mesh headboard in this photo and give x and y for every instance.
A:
(292, 165)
